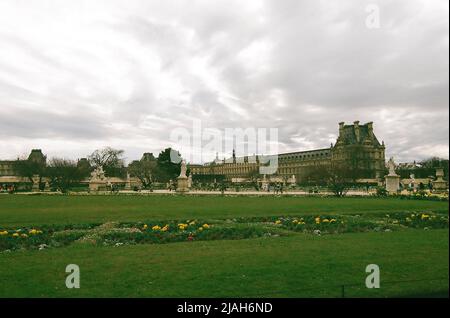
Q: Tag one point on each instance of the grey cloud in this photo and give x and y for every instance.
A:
(321, 65)
(26, 123)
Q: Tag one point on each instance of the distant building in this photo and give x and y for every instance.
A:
(148, 156)
(7, 166)
(356, 145)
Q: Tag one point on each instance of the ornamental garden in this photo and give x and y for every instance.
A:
(222, 246)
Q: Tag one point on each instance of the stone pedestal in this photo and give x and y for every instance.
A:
(439, 185)
(97, 186)
(182, 184)
(392, 183)
(35, 186)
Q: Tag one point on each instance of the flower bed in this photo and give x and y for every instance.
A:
(159, 232)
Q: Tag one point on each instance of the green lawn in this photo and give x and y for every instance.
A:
(45, 209)
(294, 266)
(297, 265)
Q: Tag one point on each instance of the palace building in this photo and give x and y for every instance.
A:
(7, 166)
(356, 146)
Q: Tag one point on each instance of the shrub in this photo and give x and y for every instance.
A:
(381, 192)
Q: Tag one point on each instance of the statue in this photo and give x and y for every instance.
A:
(392, 179)
(36, 183)
(265, 183)
(98, 180)
(182, 180)
(183, 170)
(190, 181)
(391, 166)
(439, 185)
(128, 182)
(98, 174)
(293, 179)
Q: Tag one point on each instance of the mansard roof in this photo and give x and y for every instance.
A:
(348, 135)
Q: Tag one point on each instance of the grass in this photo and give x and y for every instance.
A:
(296, 266)
(413, 261)
(24, 210)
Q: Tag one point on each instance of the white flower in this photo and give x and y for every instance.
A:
(42, 246)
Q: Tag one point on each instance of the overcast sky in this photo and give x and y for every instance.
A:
(79, 75)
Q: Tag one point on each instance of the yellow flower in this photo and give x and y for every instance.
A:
(326, 221)
(295, 221)
(156, 228)
(23, 235)
(317, 219)
(200, 228)
(332, 220)
(165, 228)
(277, 222)
(206, 226)
(424, 216)
(4, 232)
(15, 235)
(181, 227)
(192, 223)
(145, 226)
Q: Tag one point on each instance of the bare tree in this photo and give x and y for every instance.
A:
(109, 159)
(144, 170)
(64, 174)
(340, 177)
(29, 168)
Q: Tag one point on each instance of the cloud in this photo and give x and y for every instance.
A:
(75, 76)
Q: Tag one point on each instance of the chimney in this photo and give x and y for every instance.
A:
(356, 127)
(370, 128)
(341, 128)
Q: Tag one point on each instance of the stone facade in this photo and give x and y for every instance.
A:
(7, 166)
(356, 145)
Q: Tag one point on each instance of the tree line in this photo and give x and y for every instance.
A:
(63, 174)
